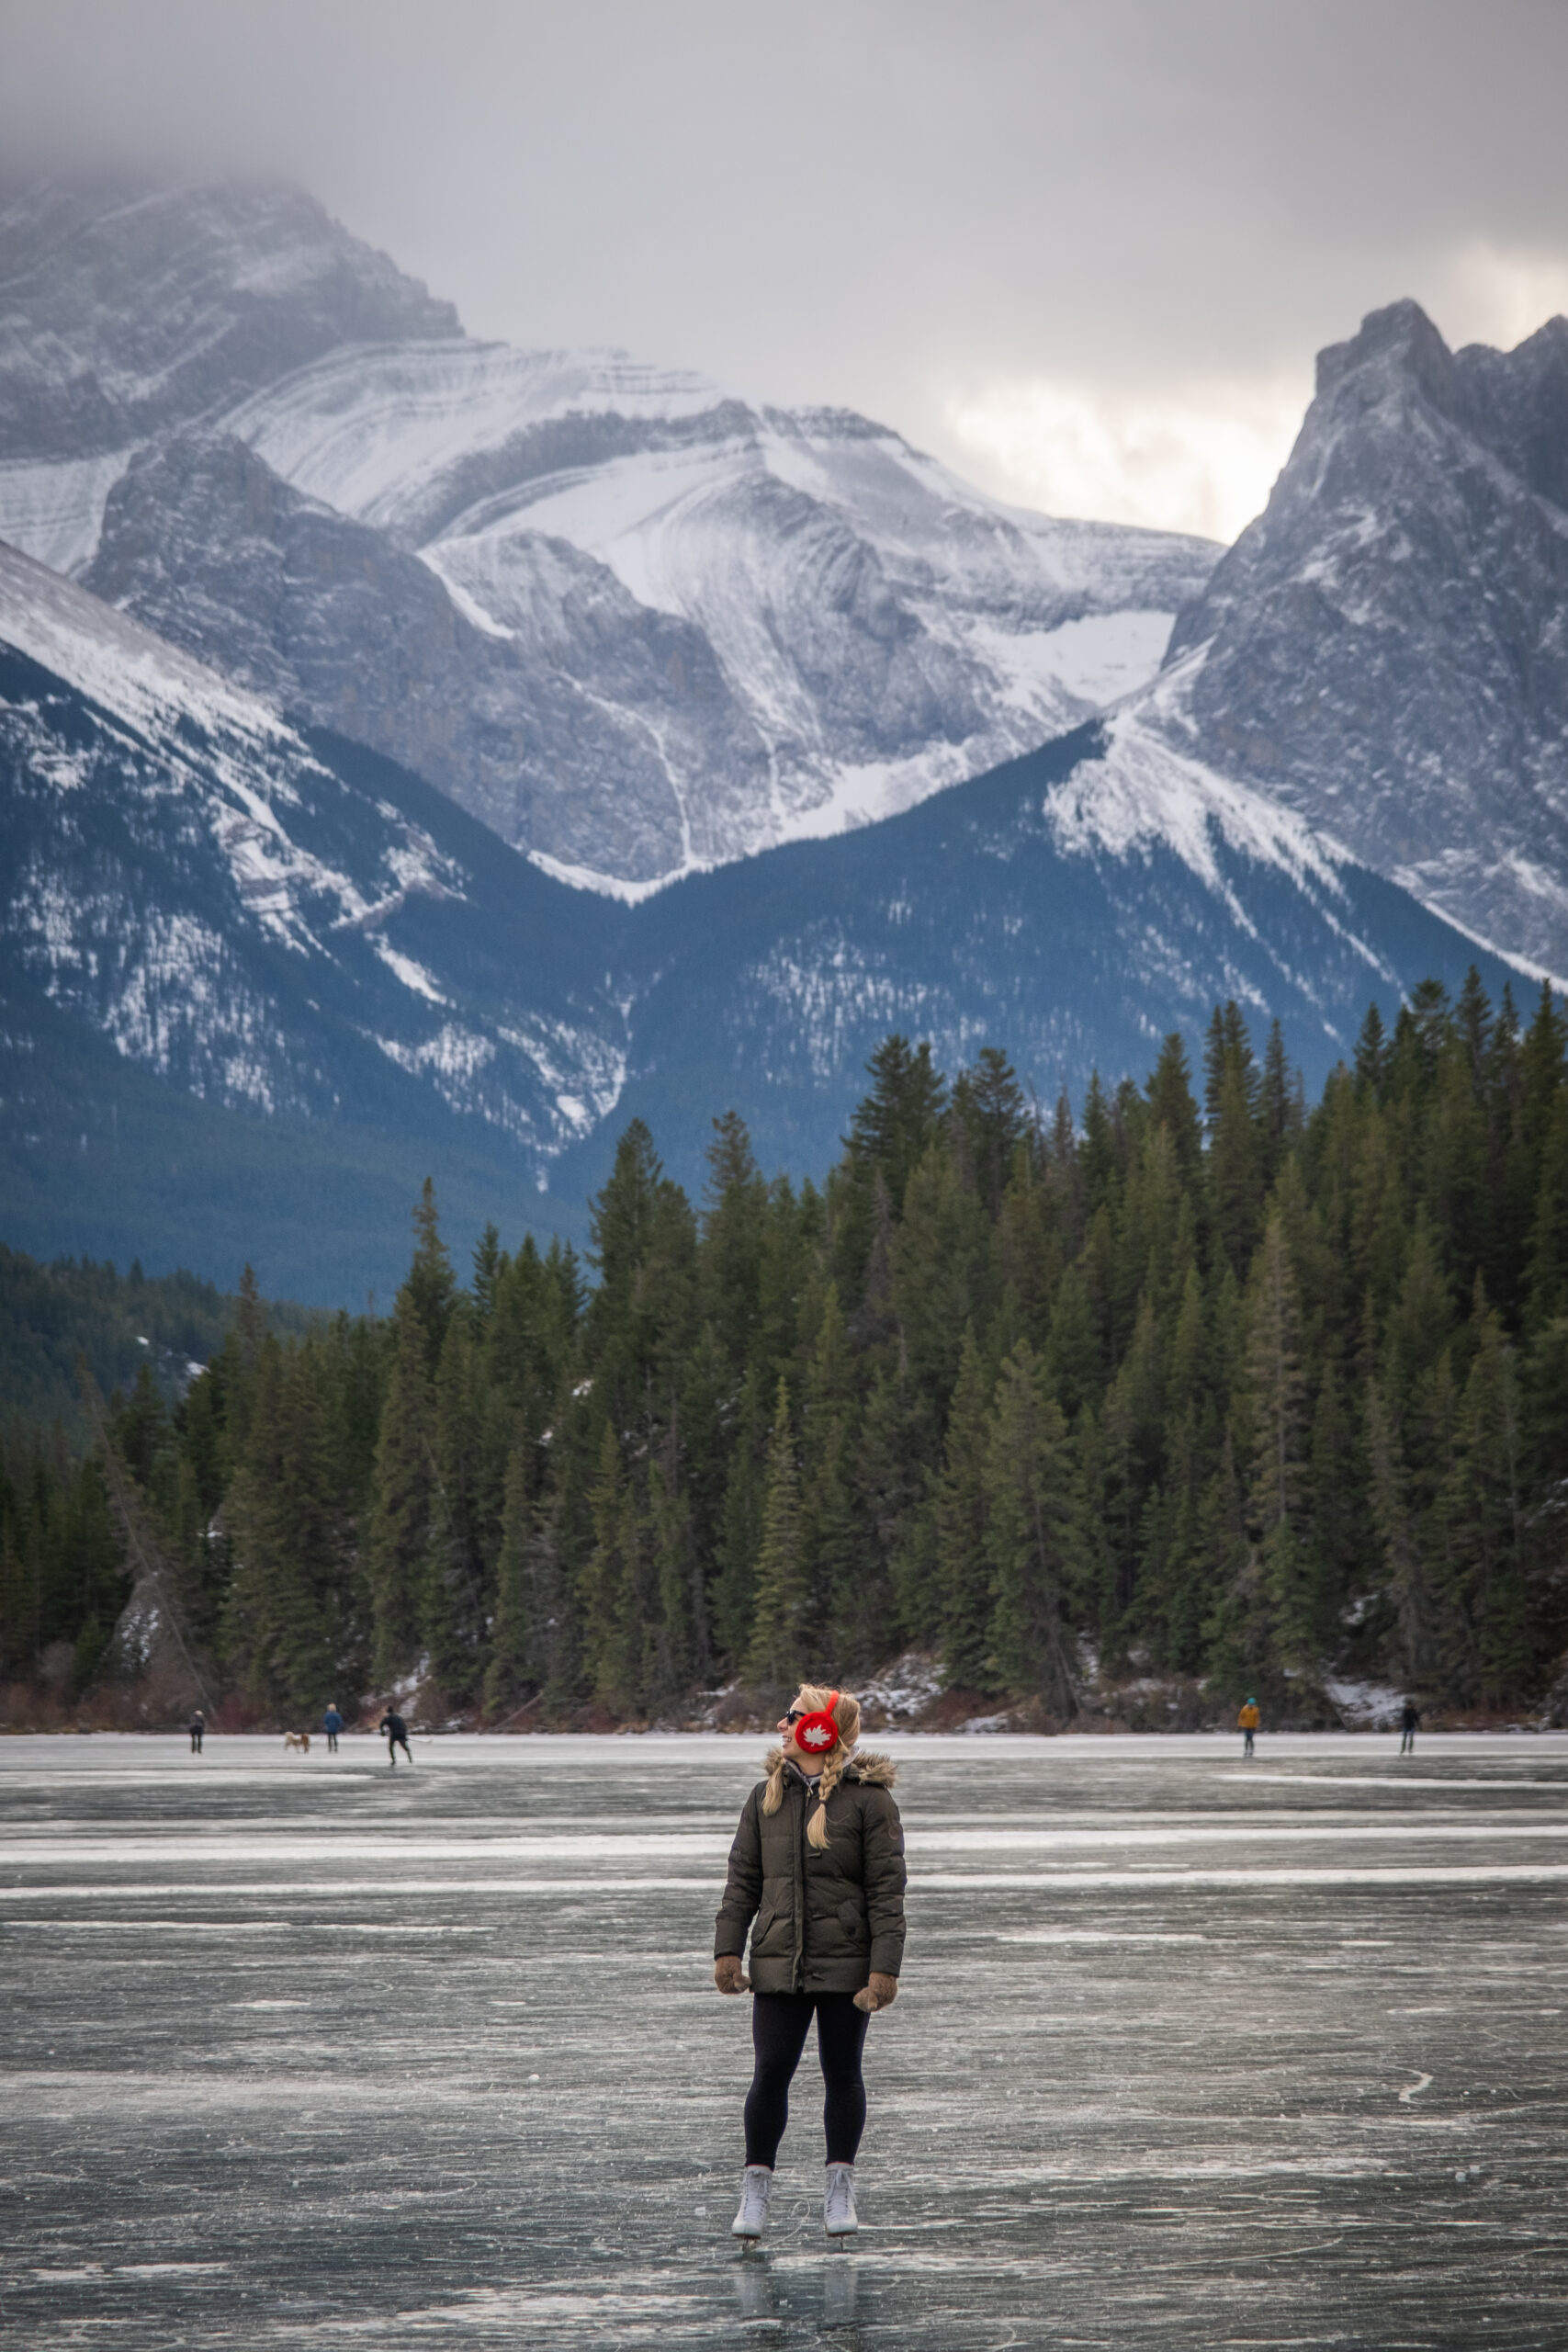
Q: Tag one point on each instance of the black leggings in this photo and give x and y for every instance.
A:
(779, 2025)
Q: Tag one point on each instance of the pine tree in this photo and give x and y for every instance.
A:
(397, 1536)
(832, 1539)
(288, 1626)
(615, 1587)
(1278, 1117)
(1392, 1518)
(1277, 1387)
(464, 1526)
(781, 1633)
(895, 1124)
(1032, 1535)
(1173, 1107)
(431, 1288)
(734, 1226)
(1484, 1607)
(740, 1542)
(940, 1263)
(1546, 1285)
(514, 1666)
(987, 1119)
(1235, 1162)
(1371, 1056)
(961, 1599)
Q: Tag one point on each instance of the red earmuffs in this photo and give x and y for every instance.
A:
(818, 1734)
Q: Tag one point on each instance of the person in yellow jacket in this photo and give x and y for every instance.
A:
(1248, 1723)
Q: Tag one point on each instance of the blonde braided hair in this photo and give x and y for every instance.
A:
(812, 1699)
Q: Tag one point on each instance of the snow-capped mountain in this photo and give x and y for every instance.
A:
(637, 625)
(247, 917)
(225, 942)
(1385, 649)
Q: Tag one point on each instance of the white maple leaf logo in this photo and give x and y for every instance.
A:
(817, 1735)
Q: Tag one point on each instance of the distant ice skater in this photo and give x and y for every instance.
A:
(332, 1724)
(1409, 1719)
(817, 1875)
(197, 1730)
(1248, 1723)
(397, 1733)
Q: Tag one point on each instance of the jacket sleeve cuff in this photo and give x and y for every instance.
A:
(886, 1958)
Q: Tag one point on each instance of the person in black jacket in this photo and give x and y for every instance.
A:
(197, 1730)
(397, 1733)
(816, 1876)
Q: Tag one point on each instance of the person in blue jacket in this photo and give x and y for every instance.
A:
(332, 1724)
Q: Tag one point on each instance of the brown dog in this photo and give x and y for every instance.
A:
(300, 1739)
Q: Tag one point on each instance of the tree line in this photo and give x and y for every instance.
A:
(1200, 1383)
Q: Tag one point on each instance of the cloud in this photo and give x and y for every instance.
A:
(1087, 248)
(1199, 457)
(1499, 296)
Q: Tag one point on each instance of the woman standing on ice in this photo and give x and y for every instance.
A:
(817, 1864)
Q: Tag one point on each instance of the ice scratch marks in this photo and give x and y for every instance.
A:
(1414, 2089)
(1098, 1936)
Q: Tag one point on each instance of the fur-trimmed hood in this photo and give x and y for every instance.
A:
(867, 1764)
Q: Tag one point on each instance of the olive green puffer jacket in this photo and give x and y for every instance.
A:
(824, 1922)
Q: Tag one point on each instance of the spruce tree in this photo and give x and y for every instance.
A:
(1031, 1535)
(513, 1669)
(615, 1587)
(962, 1597)
(1484, 1606)
(897, 1124)
(832, 1539)
(399, 1533)
(780, 1631)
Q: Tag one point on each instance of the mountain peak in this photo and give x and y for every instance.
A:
(133, 304)
(1400, 336)
(1384, 647)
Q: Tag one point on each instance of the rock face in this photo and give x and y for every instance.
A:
(127, 308)
(1385, 649)
(282, 936)
(561, 732)
(253, 921)
(635, 625)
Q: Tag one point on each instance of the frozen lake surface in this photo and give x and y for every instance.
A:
(1189, 2053)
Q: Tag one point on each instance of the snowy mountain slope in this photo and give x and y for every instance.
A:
(248, 918)
(128, 308)
(589, 692)
(885, 629)
(1385, 649)
(840, 626)
(1073, 907)
(294, 932)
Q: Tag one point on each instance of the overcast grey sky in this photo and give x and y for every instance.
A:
(1085, 250)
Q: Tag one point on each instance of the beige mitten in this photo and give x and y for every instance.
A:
(880, 1994)
(727, 1974)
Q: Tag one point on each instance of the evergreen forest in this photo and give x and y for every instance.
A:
(1199, 1384)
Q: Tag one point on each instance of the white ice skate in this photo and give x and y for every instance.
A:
(756, 2188)
(839, 2216)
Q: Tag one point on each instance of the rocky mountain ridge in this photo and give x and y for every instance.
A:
(296, 978)
(672, 627)
(1385, 649)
